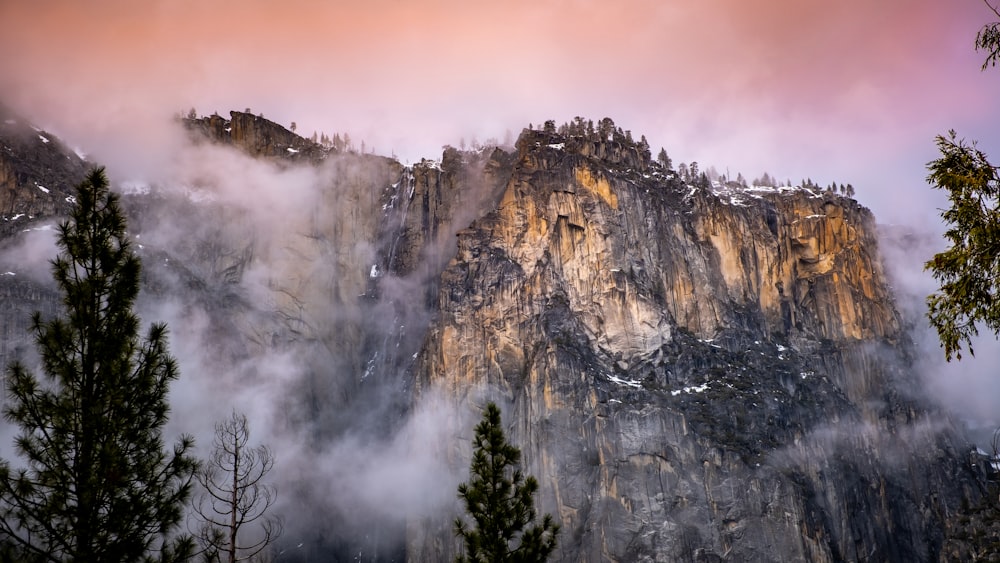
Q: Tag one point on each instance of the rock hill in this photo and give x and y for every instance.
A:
(694, 374)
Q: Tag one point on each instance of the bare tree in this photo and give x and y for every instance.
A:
(234, 495)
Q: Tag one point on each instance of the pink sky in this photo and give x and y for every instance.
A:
(848, 91)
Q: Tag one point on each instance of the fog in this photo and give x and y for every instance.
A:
(261, 271)
(968, 388)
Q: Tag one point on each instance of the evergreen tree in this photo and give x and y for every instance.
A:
(967, 271)
(969, 292)
(605, 129)
(988, 39)
(643, 147)
(97, 484)
(498, 497)
(664, 160)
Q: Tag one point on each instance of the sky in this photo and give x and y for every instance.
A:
(848, 91)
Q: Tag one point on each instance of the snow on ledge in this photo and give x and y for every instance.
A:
(690, 389)
(627, 382)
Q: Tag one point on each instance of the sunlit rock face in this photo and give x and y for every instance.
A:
(692, 374)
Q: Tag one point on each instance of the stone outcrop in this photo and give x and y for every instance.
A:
(692, 374)
(38, 174)
(256, 136)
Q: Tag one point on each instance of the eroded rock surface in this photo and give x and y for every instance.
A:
(692, 374)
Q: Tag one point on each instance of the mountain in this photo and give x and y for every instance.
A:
(694, 372)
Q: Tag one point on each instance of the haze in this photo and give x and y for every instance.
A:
(850, 91)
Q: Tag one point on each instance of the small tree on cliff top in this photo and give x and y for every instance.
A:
(499, 498)
(97, 484)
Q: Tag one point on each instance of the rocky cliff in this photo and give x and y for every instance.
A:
(693, 373)
(37, 173)
(255, 135)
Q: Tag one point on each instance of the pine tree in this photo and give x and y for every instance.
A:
(664, 160)
(498, 497)
(97, 484)
(988, 39)
(605, 129)
(969, 293)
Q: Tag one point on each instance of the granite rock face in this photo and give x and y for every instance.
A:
(256, 136)
(692, 374)
(38, 174)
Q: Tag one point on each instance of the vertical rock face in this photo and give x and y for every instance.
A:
(37, 174)
(693, 375)
(256, 136)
